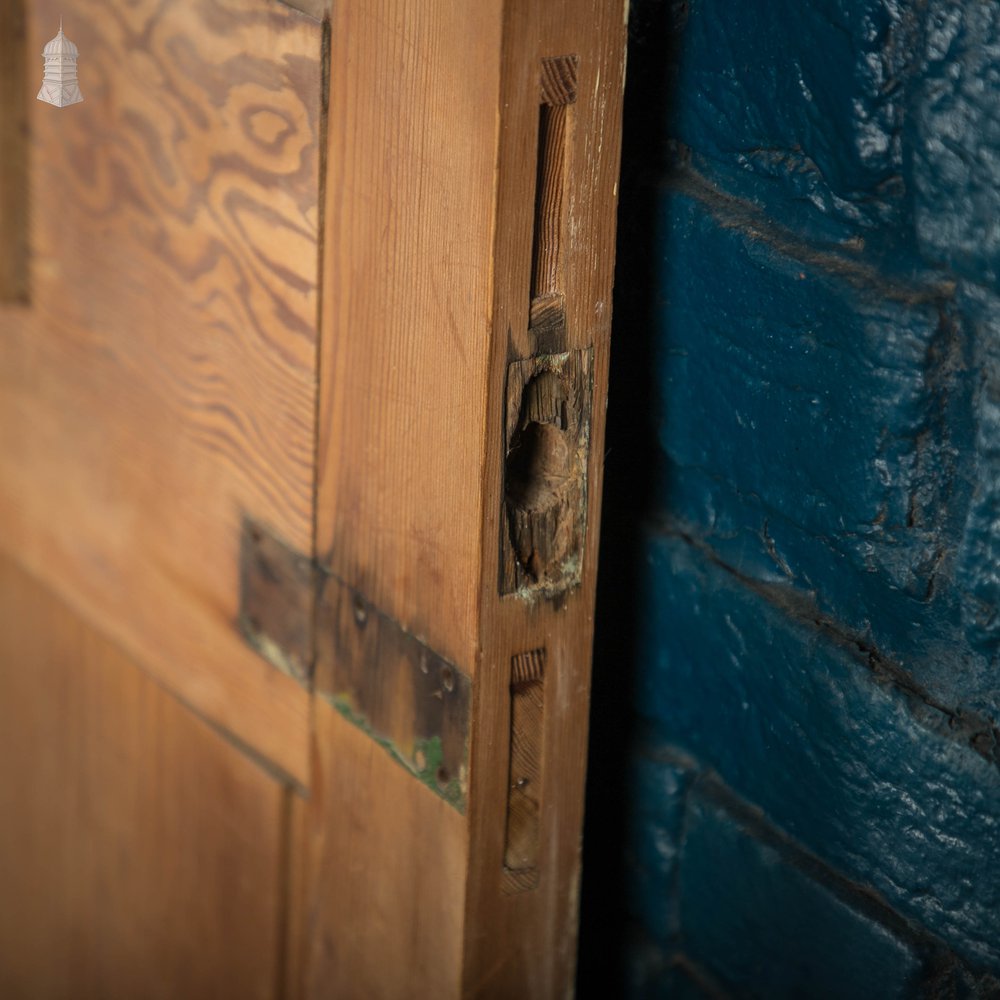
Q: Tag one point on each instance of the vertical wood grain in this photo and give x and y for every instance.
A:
(530, 949)
(167, 384)
(164, 383)
(14, 173)
(294, 930)
(386, 881)
(429, 263)
(410, 190)
(409, 228)
(140, 853)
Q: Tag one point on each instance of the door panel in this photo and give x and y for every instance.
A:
(286, 560)
(470, 145)
(141, 854)
(409, 232)
(386, 875)
(162, 380)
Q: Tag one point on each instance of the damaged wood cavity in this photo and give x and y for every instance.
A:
(411, 701)
(277, 600)
(545, 473)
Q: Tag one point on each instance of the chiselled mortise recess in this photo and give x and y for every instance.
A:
(557, 94)
(548, 395)
(558, 81)
(522, 839)
(545, 473)
(546, 278)
(14, 175)
(331, 638)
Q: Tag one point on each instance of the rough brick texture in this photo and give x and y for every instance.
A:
(837, 950)
(804, 438)
(848, 763)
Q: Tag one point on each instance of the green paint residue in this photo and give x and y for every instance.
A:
(426, 762)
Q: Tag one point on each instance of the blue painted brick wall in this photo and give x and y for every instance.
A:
(836, 950)
(849, 764)
(804, 489)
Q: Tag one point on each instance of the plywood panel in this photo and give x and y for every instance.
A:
(164, 380)
(141, 855)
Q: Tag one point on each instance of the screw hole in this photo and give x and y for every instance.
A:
(443, 775)
(360, 611)
(447, 678)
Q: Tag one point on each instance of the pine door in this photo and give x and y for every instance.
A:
(304, 316)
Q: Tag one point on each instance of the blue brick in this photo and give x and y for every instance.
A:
(954, 132)
(887, 143)
(829, 435)
(799, 106)
(763, 362)
(656, 798)
(978, 576)
(654, 977)
(863, 775)
(768, 930)
(646, 970)
(817, 429)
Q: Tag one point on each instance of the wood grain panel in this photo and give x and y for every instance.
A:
(405, 328)
(13, 152)
(141, 855)
(531, 946)
(429, 260)
(409, 210)
(387, 875)
(165, 380)
(295, 931)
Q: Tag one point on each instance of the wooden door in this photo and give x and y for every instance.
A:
(304, 320)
